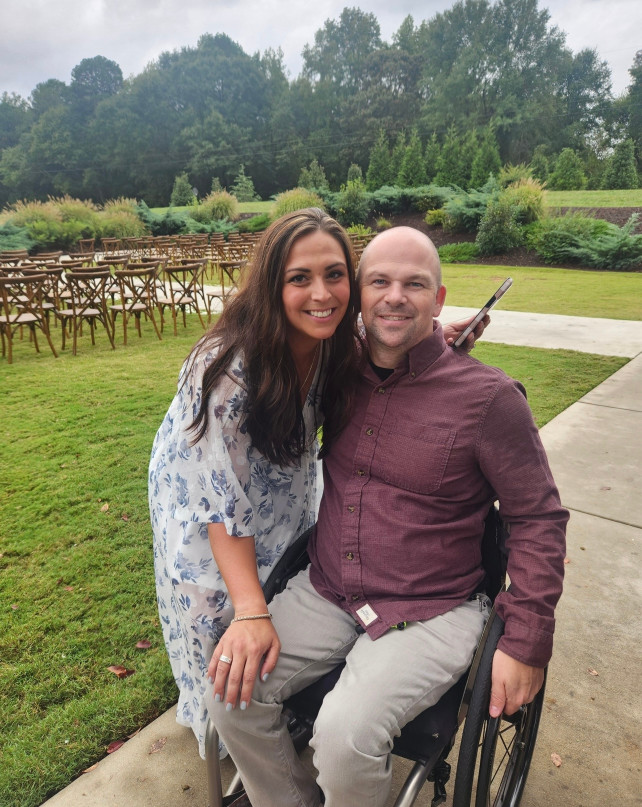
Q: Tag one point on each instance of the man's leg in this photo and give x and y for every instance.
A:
(315, 636)
(385, 684)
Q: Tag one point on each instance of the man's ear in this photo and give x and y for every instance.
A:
(440, 298)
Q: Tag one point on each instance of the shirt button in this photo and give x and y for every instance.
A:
(355, 597)
(412, 375)
(382, 390)
(369, 432)
(350, 509)
(361, 473)
(349, 555)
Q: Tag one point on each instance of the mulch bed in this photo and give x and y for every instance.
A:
(516, 257)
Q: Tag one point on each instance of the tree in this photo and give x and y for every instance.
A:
(397, 155)
(313, 177)
(355, 174)
(621, 170)
(378, 173)
(487, 160)
(92, 81)
(455, 160)
(243, 187)
(412, 172)
(182, 193)
(539, 166)
(634, 104)
(568, 174)
(431, 157)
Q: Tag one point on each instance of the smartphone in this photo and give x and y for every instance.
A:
(480, 316)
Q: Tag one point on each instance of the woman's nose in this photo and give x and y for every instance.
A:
(320, 290)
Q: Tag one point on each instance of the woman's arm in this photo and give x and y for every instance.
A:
(253, 645)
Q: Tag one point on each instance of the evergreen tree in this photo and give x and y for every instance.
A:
(539, 164)
(313, 177)
(355, 174)
(621, 170)
(412, 172)
(378, 173)
(182, 193)
(216, 185)
(243, 187)
(486, 161)
(568, 174)
(452, 167)
(431, 157)
(396, 158)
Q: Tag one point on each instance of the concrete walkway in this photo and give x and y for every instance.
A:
(592, 712)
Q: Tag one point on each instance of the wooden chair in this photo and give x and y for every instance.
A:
(12, 257)
(88, 296)
(137, 293)
(182, 290)
(21, 305)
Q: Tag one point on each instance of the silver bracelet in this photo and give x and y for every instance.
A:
(251, 616)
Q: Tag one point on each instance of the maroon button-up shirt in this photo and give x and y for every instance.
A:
(407, 488)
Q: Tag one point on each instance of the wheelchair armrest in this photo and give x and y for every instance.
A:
(294, 559)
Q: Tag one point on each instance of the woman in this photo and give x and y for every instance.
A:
(233, 474)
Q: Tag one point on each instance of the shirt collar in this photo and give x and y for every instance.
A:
(419, 358)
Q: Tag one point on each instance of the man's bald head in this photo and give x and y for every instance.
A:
(403, 243)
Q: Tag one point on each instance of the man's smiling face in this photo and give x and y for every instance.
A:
(401, 293)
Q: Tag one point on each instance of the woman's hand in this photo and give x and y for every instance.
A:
(453, 329)
(253, 646)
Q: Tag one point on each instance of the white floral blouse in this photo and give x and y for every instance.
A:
(221, 478)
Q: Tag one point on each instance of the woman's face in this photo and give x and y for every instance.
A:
(316, 289)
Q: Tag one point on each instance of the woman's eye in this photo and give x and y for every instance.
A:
(335, 274)
(297, 279)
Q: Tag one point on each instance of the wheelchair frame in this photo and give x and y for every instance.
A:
(494, 753)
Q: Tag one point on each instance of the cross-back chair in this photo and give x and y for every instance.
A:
(182, 292)
(88, 291)
(21, 306)
(137, 293)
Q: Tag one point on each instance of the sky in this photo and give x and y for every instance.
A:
(43, 39)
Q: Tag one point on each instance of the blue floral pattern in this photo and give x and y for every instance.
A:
(220, 478)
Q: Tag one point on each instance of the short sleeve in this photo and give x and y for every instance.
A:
(209, 478)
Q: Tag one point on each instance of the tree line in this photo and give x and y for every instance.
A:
(493, 76)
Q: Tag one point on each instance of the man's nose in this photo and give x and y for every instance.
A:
(395, 295)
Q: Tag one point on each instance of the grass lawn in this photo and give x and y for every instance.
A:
(620, 198)
(614, 295)
(76, 576)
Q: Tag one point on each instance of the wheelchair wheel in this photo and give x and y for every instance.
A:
(495, 753)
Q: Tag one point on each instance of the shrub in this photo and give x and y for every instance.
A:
(577, 238)
(182, 193)
(390, 199)
(83, 213)
(539, 164)
(296, 199)
(498, 230)
(221, 205)
(526, 197)
(383, 223)
(122, 203)
(41, 220)
(463, 252)
(353, 203)
(121, 224)
(256, 224)
(200, 213)
(435, 218)
(359, 229)
(12, 237)
(465, 209)
(509, 174)
(568, 174)
(355, 174)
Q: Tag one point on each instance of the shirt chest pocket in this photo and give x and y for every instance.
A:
(413, 456)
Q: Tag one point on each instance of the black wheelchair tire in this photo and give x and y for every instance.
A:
(483, 777)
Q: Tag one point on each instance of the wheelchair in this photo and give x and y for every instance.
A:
(494, 753)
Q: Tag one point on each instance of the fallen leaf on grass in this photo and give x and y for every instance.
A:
(125, 517)
(115, 746)
(592, 671)
(158, 745)
(14, 606)
(120, 671)
(91, 767)
(144, 644)
(104, 508)
(69, 588)
(557, 760)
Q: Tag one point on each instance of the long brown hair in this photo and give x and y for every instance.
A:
(253, 324)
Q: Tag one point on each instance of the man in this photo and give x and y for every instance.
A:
(434, 438)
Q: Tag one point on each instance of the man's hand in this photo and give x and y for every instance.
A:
(513, 684)
(453, 329)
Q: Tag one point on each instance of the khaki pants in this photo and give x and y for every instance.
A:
(384, 685)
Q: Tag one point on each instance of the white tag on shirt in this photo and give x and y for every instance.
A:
(367, 615)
